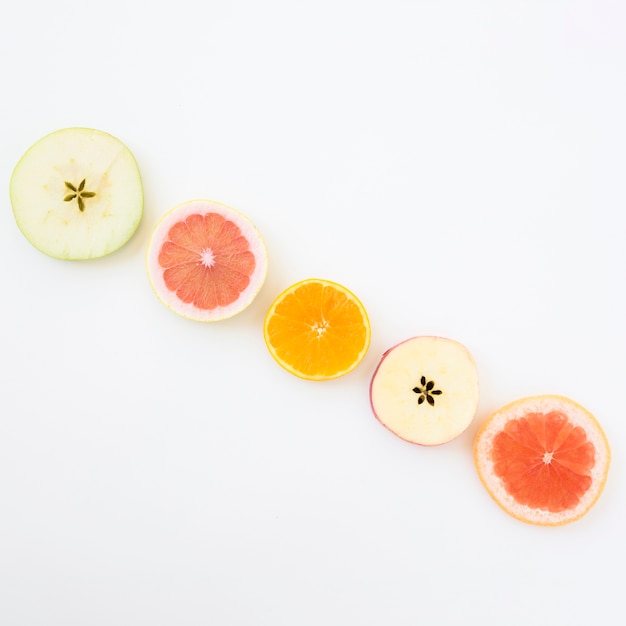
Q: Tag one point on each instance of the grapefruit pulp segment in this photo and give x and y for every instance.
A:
(206, 261)
(544, 460)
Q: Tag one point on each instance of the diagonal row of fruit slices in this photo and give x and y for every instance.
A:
(77, 194)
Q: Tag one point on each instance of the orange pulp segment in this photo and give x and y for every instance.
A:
(317, 330)
(544, 460)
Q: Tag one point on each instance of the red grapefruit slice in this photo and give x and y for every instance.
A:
(206, 261)
(543, 459)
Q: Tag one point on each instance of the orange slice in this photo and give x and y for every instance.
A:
(317, 330)
(543, 459)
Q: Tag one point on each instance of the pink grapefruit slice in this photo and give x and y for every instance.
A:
(206, 261)
(544, 459)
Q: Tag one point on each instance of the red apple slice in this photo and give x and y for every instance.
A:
(425, 390)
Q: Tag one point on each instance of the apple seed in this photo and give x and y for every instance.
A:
(427, 391)
(79, 194)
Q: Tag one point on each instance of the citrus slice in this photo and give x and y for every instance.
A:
(317, 330)
(206, 261)
(425, 390)
(543, 459)
(77, 194)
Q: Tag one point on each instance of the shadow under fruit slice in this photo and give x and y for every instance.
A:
(206, 261)
(425, 390)
(77, 194)
(317, 329)
(543, 459)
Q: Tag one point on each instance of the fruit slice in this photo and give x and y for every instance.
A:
(77, 194)
(543, 459)
(425, 390)
(317, 330)
(206, 261)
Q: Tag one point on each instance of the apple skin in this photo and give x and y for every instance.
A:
(466, 397)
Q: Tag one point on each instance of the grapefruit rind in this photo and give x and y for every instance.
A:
(395, 405)
(40, 195)
(287, 365)
(156, 274)
(578, 416)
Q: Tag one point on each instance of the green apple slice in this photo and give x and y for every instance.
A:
(425, 390)
(77, 194)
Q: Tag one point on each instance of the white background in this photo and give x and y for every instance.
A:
(458, 165)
